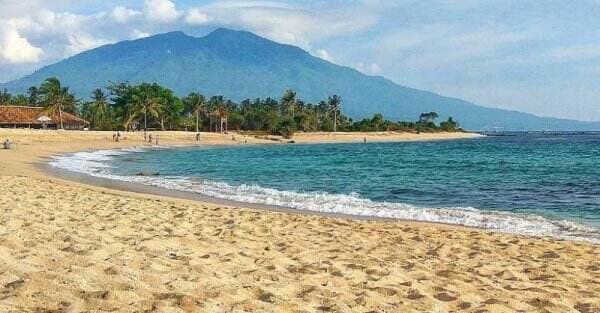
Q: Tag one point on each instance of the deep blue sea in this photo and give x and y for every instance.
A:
(535, 184)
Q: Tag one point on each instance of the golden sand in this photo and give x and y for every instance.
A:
(67, 247)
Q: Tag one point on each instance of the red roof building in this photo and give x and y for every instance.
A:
(36, 117)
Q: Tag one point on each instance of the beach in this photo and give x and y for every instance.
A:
(71, 247)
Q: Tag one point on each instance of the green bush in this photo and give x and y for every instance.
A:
(286, 127)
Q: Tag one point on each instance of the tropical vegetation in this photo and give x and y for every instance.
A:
(125, 106)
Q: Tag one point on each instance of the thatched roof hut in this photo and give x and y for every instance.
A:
(36, 117)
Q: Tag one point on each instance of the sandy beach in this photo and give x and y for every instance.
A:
(70, 247)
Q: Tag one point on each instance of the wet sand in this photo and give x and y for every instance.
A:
(69, 247)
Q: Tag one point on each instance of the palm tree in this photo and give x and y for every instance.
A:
(218, 109)
(33, 95)
(56, 97)
(99, 106)
(197, 104)
(289, 101)
(144, 102)
(335, 104)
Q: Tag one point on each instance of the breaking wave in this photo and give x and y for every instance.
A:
(96, 164)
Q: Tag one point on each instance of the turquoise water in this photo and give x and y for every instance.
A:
(530, 184)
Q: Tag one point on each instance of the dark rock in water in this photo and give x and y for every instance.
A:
(147, 174)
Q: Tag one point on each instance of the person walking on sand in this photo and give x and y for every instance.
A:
(157, 140)
(150, 138)
(198, 136)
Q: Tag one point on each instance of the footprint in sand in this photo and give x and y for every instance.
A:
(550, 255)
(540, 303)
(414, 294)
(586, 308)
(305, 290)
(444, 296)
(263, 295)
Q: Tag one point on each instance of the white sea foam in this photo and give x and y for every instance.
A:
(95, 164)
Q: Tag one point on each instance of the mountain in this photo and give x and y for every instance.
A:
(241, 65)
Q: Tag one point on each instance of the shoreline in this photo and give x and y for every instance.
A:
(148, 190)
(41, 167)
(49, 171)
(495, 221)
(111, 249)
(174, 193)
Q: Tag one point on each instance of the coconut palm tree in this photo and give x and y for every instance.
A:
(289, 101)
(33, 95)
(196, 103)
(99, 106)
(144, 102)
(56, 98)
(218, 109)
(335, 104)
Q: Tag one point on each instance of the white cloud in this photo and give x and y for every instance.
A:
(284, 23)
(375, 68)
(236, 4)
(123, 15)
(161, 11)
(63, 34)
(196, 17)
(440, 45)
(14, 48)
(369, 68)
(323, 54)
(137, 34)
(79, 42)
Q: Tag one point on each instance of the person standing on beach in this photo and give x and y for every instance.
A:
(157, 140)
(198, 136)
(150, 138)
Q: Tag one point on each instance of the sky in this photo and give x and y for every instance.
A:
(541, 57)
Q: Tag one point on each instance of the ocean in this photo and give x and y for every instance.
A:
(530, 184)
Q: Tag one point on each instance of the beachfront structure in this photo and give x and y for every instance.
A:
(37, 117)
(220, 119)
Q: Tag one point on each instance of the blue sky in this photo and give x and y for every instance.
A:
(532, 56)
